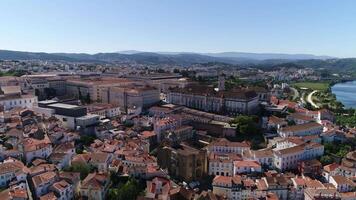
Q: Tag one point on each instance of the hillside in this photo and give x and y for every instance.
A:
(184, 59)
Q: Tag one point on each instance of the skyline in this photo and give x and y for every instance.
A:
(299, 27)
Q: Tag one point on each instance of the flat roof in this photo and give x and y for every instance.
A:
(48, 101)
(88, 116)
(11, 89)
(63, 105)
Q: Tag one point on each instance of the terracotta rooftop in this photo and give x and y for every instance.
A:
(60, 186)
(342, 180)
(300, 116)
(247, 163)
(227, 143)
(43, 178)
(95, 181)
(209, 91)
(49, 196)
(11, 166)
(275, 120)
(300, 127)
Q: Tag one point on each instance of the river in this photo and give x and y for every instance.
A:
(345, 93)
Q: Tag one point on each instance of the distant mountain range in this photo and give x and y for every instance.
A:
(244, 55)
(259, 60)
(180, 58)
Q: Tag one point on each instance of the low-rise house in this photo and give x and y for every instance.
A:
(299, 118)
(310, 167)
(95, 186)
(63, 189)
(150, 137)
(284, 143)
(61, 160)
(142, 160)
(42, 182)
(278, 185)
(181, 134)
(325, 114)
(42, 168)
(62, 155)
(12, 97)
(99, 160)
(311, 128)
(14, 193)
(34, 148)
(330, 170)
(66, 147)
(158, 188)
(321, 193)
(276, 123)
(73, 178)
(158, 111)
(222, 164)
(332, 135)
(169, 123)
(299, 186)
(48, 196)
(348, 165)
(12, 169)
(263, 156)
(348, 195)
(104, 110)
(342, 184)
(247, 167)
(289, 158)
(236, 187)
(223, 145)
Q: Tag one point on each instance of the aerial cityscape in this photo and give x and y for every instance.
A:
(173, 100)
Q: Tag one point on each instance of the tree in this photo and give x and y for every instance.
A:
(83, 169)
(291, 110)
(130, 190)
(87, 140)
(247, 128)
(325, 160)
(246, 124)
(291, 123)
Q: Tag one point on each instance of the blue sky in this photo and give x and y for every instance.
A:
(321, 27)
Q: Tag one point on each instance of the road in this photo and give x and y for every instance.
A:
(296, 93)
(310, 100)
(302, 98)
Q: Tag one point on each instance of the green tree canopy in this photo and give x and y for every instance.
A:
(83, 169)
(130, 190)
(246, 125)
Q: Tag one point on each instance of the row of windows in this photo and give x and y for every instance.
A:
(221, 164)
(20, 102)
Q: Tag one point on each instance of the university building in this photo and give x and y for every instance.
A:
(210, 100)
